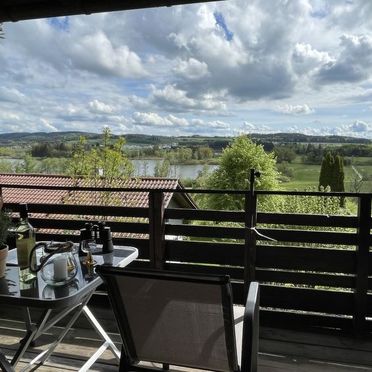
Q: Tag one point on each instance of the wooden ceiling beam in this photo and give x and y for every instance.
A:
(18, 10)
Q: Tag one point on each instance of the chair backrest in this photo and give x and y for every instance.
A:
(249, 351)
(173, 318)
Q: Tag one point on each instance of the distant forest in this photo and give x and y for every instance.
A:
(195, 140)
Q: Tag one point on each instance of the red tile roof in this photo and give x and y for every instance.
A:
(49, 196)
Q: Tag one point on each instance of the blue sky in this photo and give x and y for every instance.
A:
(221, 68)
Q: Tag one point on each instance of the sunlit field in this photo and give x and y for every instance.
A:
(306, 176)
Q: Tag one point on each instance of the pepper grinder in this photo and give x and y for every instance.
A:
(101, 225)
(106, 239)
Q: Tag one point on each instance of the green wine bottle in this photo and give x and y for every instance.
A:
(25, 241)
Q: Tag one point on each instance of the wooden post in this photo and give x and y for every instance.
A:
(362, 253)
(250, 236)
(156, 229)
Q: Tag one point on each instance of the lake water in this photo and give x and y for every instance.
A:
(147, 168)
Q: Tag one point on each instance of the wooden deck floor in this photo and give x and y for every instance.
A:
(80, 344)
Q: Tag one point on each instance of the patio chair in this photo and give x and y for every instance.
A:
(4, 364)
(181, 319)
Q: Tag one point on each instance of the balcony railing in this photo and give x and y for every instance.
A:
(316, 276)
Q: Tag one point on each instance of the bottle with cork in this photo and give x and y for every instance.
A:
(25, 241)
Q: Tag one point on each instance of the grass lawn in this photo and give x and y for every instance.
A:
(307, 175)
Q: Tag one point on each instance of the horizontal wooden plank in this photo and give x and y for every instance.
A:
(82, 209)
(266, 218)
(307, 220)
(233, 272)
(203, 252)
(305, 322)
(311, 259)
(302, 278)
(205, 231)
(306, 236)
(75, 224)
(204, 215)
(303, 299)
(298, 236)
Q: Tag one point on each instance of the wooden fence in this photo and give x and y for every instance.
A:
(316, 276)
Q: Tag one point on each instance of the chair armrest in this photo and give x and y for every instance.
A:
(251, 326)
(4, 364)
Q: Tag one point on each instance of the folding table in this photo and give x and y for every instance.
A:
(57, 303)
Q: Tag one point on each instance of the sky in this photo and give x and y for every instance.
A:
(221, 68)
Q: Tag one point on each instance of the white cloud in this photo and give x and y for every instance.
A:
(177, 100)
(152, 119)
(99, 107)
(9, 116)
(359, 126)
(306, 58)
(48, 126)
(353, 64)
(191, 69)
(218, 124)
(96, 53)
(295, 109)
(11, 95)
(248, 127)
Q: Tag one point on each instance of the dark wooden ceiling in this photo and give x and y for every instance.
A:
(17, 10)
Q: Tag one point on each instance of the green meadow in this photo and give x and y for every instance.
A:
(306, 176)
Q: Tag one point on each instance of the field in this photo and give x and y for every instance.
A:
(306, 176)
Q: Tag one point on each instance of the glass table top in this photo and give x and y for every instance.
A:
(39, 294)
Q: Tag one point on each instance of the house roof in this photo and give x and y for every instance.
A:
(129, 198)
(16, 10)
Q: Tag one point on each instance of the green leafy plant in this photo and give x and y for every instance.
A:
(5, 222)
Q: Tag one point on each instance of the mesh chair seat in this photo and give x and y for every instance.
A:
(178, 319)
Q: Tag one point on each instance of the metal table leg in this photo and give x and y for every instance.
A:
(35, 331)
(42, 357)
(107, 344)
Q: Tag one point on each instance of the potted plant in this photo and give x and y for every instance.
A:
(5, 221)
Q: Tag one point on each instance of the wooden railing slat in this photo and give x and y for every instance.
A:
(303, 299)
(306, 259)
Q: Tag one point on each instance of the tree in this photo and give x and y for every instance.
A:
(5, 166)
(326, 171)
(233, 172)
(79, 164)
(203, 153)
(339, 174)
(52, 166)
(284, 153)
(162, 168)
(28, 165)
(107, 160)
(332, 173)
(102, 165)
